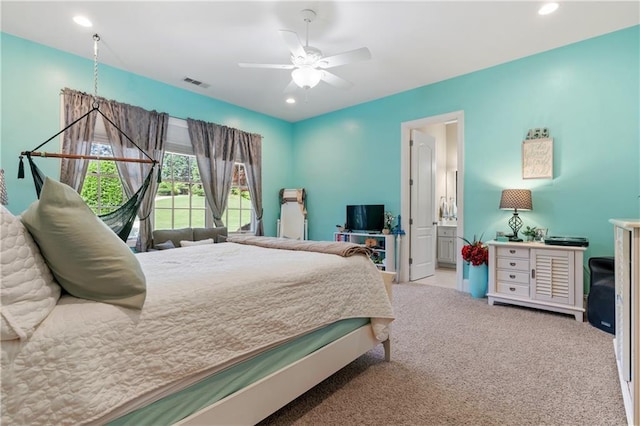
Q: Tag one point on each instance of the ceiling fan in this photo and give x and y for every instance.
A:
(308, 65)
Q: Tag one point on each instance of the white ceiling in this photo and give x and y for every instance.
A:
(412, 43)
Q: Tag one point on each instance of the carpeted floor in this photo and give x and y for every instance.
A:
(458, 361)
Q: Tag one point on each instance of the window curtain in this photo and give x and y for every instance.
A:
(250, 154)
(148, 129)
(215, 149)
(77, 139)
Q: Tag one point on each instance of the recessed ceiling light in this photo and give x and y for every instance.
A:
(548, 8)
(82, 21)
(290, 101)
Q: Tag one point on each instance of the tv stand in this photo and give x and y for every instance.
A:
(383, 251)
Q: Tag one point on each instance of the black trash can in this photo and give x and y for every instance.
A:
(601, 302)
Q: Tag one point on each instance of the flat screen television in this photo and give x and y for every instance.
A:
(365, 218)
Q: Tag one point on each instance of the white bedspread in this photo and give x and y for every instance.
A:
(206, 307)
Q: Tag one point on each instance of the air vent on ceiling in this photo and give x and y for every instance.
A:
(195, 82)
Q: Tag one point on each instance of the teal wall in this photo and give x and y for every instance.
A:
(33, 75)
(587, 94)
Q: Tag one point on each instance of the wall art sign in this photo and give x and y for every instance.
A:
(537, 159)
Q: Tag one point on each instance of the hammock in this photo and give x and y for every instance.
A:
(120, 220)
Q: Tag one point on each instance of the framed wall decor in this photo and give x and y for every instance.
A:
(537, 159)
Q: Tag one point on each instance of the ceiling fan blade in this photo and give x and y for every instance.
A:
(334, 80)
(276, 66)
(293, 43)
(291, 87)
(356, 55)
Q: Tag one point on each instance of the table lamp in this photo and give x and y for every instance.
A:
(516, 199)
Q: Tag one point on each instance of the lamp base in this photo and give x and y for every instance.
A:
(515, 223)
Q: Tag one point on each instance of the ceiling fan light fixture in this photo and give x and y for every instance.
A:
(306, 77)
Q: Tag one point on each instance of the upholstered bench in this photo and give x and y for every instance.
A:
(171, 238)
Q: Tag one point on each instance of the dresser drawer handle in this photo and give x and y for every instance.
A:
(512, 289)
(512, 276)
(512, 263)
(512, 251)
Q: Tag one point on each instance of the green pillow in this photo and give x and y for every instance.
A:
(86, 257)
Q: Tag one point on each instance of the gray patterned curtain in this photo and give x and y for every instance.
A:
(215, 150)
(77, 139)
(148, 129)
(250, 154)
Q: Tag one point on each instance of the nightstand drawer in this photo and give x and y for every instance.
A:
(447, 231)
(513, 277)
(513, 252)
(513, 289)
(514, 264)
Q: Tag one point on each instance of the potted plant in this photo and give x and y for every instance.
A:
(530, 233)
(388, 222)
(476, 253)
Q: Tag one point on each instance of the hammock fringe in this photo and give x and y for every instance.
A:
(21, 169)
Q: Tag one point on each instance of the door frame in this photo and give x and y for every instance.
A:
(405, 191)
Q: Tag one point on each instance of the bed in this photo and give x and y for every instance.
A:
(217, 313)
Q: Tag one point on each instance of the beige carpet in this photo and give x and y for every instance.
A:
(458, 361)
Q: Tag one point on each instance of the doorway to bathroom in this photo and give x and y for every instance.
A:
(432, 197)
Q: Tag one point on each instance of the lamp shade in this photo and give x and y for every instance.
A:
(306, 77)
(517, 199)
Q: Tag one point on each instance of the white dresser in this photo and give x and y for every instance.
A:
(626, 233)
(537, 276)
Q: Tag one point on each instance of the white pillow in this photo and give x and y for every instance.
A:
(186, 243)
(28, 290)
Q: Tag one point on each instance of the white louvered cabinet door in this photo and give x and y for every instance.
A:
(552, 275)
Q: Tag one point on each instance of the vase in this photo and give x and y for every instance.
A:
(443, 208)
(478, 280)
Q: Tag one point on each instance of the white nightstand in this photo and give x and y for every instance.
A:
(537, 276)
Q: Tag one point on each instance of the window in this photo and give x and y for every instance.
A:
(180, 200)
(239, 215)
(102, 189)
(172, 211)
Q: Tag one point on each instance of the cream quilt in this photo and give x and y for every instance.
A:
(206, 308)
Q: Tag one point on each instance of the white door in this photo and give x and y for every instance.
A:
(422, 221)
